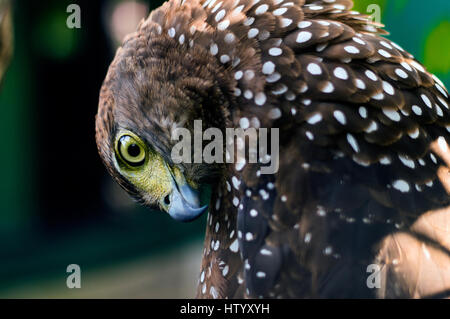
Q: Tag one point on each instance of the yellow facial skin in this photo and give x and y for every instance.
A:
(157, 182)
(144, 168)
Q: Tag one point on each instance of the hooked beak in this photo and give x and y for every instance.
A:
(183, 203)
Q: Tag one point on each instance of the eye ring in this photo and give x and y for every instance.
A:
(130, 150)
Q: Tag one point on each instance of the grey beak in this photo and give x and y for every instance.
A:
(185, 203)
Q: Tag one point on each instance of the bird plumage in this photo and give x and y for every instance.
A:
(364, 134)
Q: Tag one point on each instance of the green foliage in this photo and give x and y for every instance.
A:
(437, 49)
(399, 5)
(53, 38)
(362, 5)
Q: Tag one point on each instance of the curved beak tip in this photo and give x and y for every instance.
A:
(186, 214)
(185, 204)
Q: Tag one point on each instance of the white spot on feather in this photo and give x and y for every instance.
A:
(274, 113)
(268, 67)
(401, 185)
(316, 118)
(426, 100)
(303, 36)
(442, 143)
(353, 143)
(279, 11)
(340, 73)
(407, 162)
(308, 238)
(314, 69)
(328, 88)
(340, 117)
(351, 49)
(260, 98)
(392, 115)
(225, 270)
(234, 247)
(417, 110)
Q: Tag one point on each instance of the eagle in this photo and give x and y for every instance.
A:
(359, 204)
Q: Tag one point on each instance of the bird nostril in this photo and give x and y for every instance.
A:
(167, 200)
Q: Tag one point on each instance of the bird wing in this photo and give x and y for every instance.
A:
(358, 118)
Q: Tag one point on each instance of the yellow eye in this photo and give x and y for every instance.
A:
(130, 150)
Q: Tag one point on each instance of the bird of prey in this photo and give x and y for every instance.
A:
(359, 206)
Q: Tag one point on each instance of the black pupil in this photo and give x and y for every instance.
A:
(134, 150)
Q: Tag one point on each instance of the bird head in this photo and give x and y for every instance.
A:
(153, 88)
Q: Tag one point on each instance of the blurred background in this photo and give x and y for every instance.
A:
(58, 206)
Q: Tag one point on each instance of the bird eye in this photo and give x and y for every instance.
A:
(131, 151)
